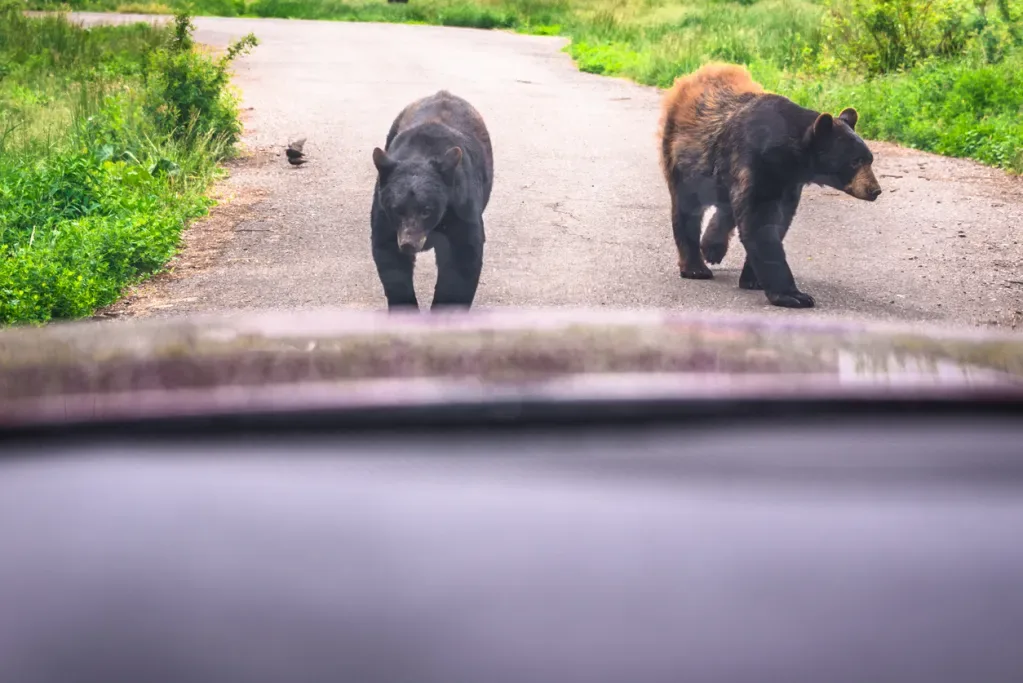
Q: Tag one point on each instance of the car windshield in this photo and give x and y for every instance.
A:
(799, 164)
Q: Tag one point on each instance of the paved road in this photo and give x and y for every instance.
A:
(579, 215)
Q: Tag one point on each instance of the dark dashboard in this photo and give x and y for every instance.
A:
(839, 543)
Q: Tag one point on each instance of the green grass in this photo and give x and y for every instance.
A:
(952, 108)
(103, 160)
(939, 75)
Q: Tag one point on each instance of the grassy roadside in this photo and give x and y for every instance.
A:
(109, 140)
(937, 75)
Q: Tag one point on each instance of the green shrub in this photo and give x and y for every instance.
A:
(79, 224)
(96, 186)
(188, 95)
(884, 36)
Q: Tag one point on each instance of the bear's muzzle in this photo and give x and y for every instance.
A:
(864, 185)
(411, 238)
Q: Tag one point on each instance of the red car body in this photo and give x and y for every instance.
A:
(336, 360)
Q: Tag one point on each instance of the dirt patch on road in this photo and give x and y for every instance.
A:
(935, 168)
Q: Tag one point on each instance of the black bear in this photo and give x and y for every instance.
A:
(434, 178)
(727, 143)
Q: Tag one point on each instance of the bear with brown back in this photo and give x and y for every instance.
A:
(727, 143)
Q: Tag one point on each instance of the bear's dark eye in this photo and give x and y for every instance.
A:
(426, 212)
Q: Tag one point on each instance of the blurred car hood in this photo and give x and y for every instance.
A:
(345, 360)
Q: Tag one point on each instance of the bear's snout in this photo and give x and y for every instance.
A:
(864, 185)
(411, 240)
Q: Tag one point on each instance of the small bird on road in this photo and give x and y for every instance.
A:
(294, 152)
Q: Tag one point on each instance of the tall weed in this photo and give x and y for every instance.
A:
(188, 90)
(95, 187)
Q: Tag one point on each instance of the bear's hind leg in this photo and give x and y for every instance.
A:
(714, 244)
(686, 218)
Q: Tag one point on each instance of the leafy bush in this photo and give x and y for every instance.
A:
(188, 96)
(96, 186)
(884, 36)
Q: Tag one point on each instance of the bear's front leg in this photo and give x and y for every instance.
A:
(761, 231)
(459, 264)
(395, 271)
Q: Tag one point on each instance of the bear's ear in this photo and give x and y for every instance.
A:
(822, 126)
(384, 163)
(449, 162)
(850, 117)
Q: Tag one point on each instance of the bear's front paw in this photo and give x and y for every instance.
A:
(794, 299)
(697, 272)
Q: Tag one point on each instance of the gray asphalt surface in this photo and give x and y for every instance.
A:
(579, 214)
